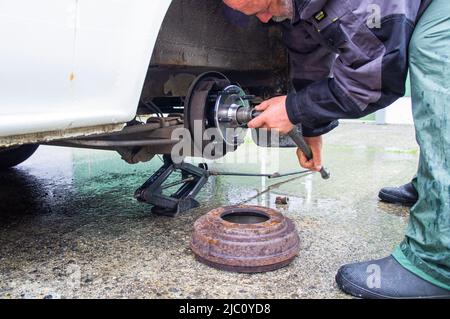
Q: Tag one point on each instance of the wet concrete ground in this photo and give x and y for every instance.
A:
(70, 228)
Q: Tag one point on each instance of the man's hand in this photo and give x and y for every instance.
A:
(316, 146)
(274, 116)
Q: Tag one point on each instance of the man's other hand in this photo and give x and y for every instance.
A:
(316, 146)
(274, 116)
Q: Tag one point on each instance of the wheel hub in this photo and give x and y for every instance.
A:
(210, 115)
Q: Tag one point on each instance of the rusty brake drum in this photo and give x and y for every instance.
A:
(248, 239)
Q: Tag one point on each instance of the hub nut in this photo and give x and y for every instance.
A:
(247, 239)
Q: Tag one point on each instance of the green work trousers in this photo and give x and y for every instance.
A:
(426, 248)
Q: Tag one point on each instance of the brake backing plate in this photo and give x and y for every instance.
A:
(208, 99)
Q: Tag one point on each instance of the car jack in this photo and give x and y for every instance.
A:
(193, 178)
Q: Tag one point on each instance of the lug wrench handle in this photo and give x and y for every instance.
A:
(296, 135)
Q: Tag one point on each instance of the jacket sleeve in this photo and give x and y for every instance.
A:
(309, 131)
(369, 73)
(310, 61)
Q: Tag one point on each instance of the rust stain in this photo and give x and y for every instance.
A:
(43, 137)
(212, 241)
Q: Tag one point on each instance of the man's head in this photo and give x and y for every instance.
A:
(263, 9)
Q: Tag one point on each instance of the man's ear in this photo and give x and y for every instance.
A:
(236, 18)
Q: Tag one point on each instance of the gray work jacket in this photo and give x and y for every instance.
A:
(349, 58)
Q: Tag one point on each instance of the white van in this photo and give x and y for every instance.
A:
(114, 74)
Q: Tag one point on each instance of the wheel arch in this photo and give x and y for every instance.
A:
(197, 36)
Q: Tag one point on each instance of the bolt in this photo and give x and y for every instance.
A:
(282, 200)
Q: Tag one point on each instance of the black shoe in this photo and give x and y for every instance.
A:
(386, 279)
(405, 195)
